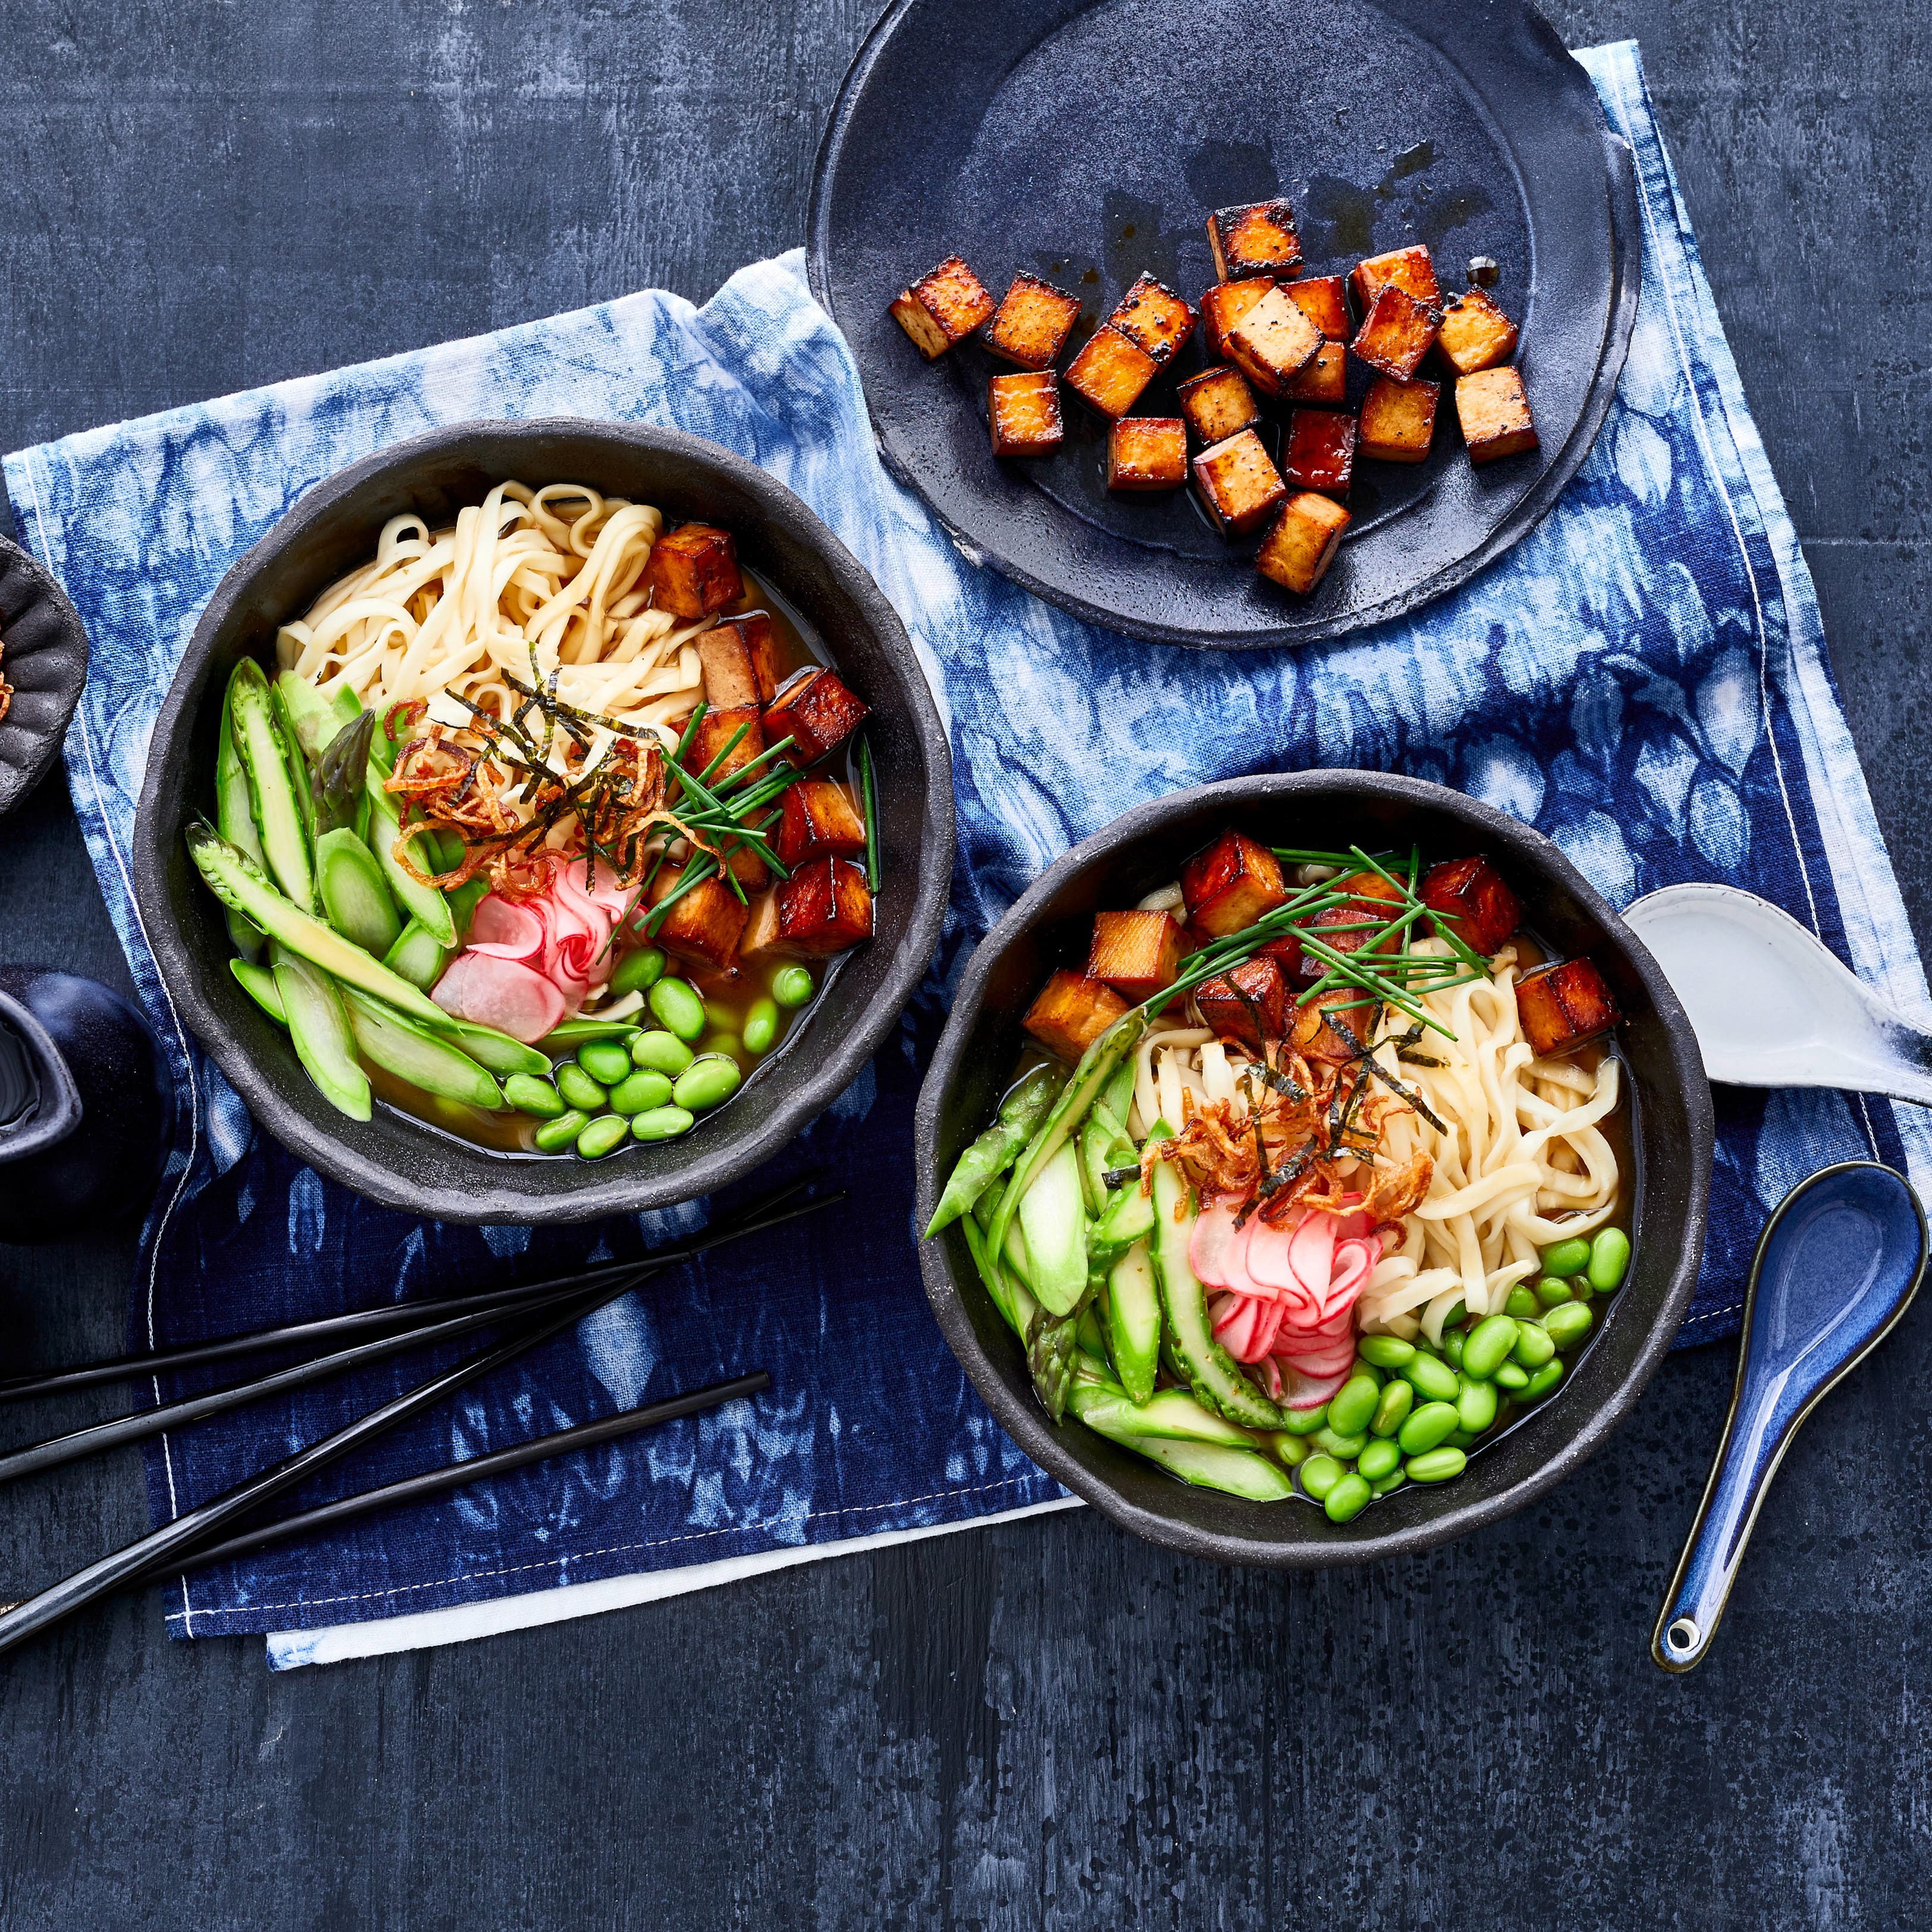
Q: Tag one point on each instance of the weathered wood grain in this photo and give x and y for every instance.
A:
(1047, 1725)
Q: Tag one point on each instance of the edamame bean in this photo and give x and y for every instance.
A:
(1352, 1405)
(1291, 1449)
(661, 1124)
(660, 1053)
(1347, 1499)
(1488, 1346)
(1545, 1379)
(606, 1132)
(1319, 1475)
(1552, 1291)
(1566, 1257)
(1521, 1304)
(1455, 1319)
(1568, 1325)
(1369, 1372)
(792, 986)
(1476, 1407)
(1533, 1345)
(554, 1136)
(1435, 1465)
(761, 1027)
(1610, 1255)
(677, 1006)
(1434, 1379)
(1509, 1376)
(1461, 1439)
(638, 1092)
(1579, 1286)
(604, 1060)
(528, 1095)
(1389, 1484)
(1385, 1351)
(1306, 1421)
(1434, 1422)
(638, 971)
(1343, 1448)
(1392, 1411)
(726, 1043)
(578, 1088)
(1379, 1459)
(709, 1080)
(1454, 1341)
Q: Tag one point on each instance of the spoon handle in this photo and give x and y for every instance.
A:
(1836, 1265)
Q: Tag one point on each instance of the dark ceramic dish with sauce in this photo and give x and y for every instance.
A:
(401, 1161)
(1668, 1106)
(44, 661)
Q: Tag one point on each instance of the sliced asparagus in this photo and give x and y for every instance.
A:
(1133, 1321)
(278, 814)
(424, 904)
(259, 983)
(355, 900)
(983, 1163)
(1239, 1472)
(234, 814)
(414, 1053)
(417, 956)
(319, 1026)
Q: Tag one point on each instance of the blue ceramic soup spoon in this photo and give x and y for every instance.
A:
(1838, 1264)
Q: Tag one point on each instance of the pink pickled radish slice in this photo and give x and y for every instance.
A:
(1300, 1390)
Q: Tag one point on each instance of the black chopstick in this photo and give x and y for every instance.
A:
(460, 1475)
(56, 1451)
(161, 1549)
(302, 1334)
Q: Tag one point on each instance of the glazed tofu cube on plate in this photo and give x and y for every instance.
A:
(944, 306)
(1249, 1003)
(1023, 411)
(1033, 323)
(817, 710)
(1325, 380)
(1475, 334)
(1147, 453)
(1224, 305)
(1321, 451)
(718, 727)
(1494, 414)
(1274, 342)
(1472, 896)
(1399, 419)
(1323, 299)
(742, 655)
(1256, 239)
(1409, 269)
(1217, 404)
(824, 908)
(817, 820)
(1301, 542)
(1563, 1005)
(706, 923)
(1396, 333)
(1111, 371)
(1153, 316)
(1238, 482)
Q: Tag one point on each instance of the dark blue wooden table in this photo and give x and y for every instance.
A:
(1046, 1725)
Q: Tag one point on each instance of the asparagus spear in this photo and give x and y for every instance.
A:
(319, 1026)
(987, 1159)
(265, 757)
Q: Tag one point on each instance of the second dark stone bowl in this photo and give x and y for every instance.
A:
(1671, 1138)
(399, 1161)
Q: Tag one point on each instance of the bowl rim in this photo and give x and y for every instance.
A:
(56, 637)
(1021, 1415)
(608, 1189)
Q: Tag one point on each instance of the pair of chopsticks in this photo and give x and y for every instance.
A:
(212, 1531)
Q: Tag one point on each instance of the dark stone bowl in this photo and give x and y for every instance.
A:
(43, 656)
(399, 1161)
(1672, 1130)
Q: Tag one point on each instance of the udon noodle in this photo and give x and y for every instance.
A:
(540, 584)
(1521, 1144)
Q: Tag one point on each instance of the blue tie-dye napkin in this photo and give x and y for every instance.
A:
(1644, 679)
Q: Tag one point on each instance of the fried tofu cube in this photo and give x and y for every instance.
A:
(824, 907)
(1399, 419)
(745, 646)
(1301, 542)
(815, 709)
(1297, 968)
(1151, 315)
(1230, 884)
(760, 939)
(1494, 414)
(1257, 238)
(1409, 269)
(1475, 334)
(1024, 412)
(942, 307)
(693, 571)
(1033, 323)
(1325, 380)
(716, 729)
(1470, 895)
(1321, 451)
(1347, 929)
(1562, 1006)
(1318, 1029)
(706, 922)
(1111, 371)
(817, 820)
(1274, 342)
(1071, 1013)
(1238, 482)
(730, 677)
(1224, 305)
(1136, 953)
(1217, 404)
(1147, 453)
(750, 871)
(1249, 1003)
(1396, 333)
(1323, 299)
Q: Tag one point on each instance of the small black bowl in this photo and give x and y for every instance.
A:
(43, 656)
(1671, 1137)
(400, 1161)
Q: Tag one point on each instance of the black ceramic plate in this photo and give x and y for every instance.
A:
(43, 656)
(1670, 1115)
(1087, 141)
